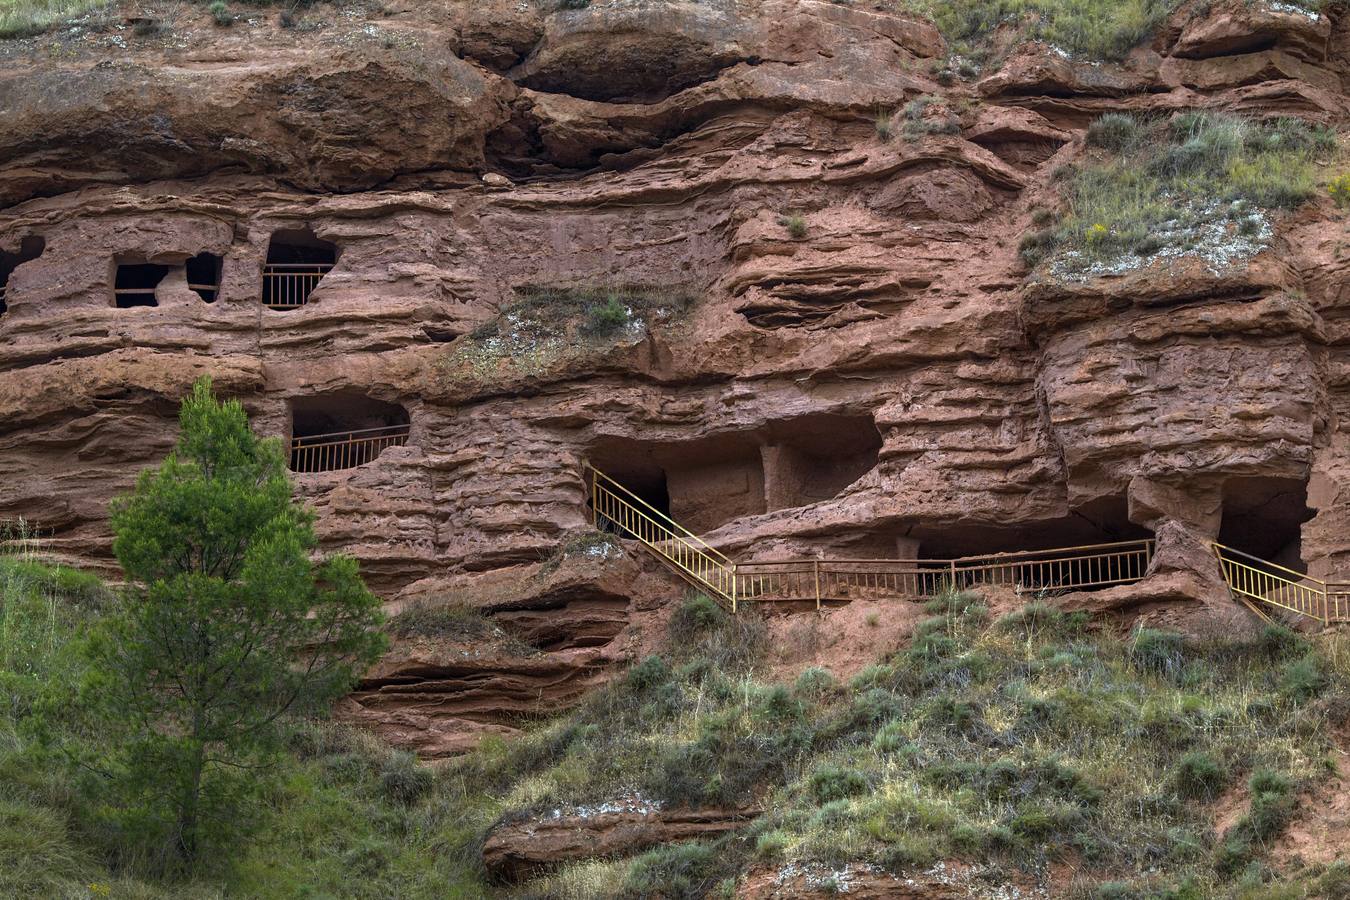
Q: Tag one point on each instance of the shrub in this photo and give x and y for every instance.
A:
(695, 617)
(648, 674)
(833, 783)
(677, 871)
(884, 129)
(607, 317)
(815, 682)
(795, 225)
(403, 780)
(453, 620)
(771, 844)
(1339, 189)
(220, 11)
(1303, 679)
(1200, 775)
(1117, 132)
(1159, 652)
(286, 19)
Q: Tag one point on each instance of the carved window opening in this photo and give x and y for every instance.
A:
(1264, 517)
(297, 261)
(135, 284)
(30, 248)
(343, 431)
(711, 480)
(203, 275)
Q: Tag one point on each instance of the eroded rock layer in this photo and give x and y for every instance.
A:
(860, 363)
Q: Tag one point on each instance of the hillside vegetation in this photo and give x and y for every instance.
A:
(1009, 744)
(1203, 184)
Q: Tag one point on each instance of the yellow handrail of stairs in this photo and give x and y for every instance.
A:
(615, 508)
(1251, 578)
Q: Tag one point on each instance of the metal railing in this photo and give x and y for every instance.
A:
(1062, 568)
(616, 509)
(1254, 579)
(344, 449)
(288, 285)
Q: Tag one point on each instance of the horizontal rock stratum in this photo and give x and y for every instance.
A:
(830, 344)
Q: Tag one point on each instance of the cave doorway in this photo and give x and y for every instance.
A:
(203, 275)
(30, 248)
(813, 458)
(343, 431)
(297, 260)
(1082, 544)
(1264, 516)
(135, 282)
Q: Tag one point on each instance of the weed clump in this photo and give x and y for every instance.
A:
(1200, 183)
(1200, 775)
(220, 11)
(795, 223)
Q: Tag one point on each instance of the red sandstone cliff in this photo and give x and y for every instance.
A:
(894, 381)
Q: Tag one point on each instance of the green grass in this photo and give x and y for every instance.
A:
(342, 815)
(1096, 29)
(1201, 183)
(24, 18)
(547, 327)
(1008, 743)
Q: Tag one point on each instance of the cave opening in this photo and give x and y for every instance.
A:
(343, 430)
(135, 282)
(297, 260)
(30, 248)
(1264, 516)
(203, 275)
(705, 482)
(1103, 521)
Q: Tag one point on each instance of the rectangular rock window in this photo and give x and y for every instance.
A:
(342, 431)
(135, 284)
(30, 248)
(203, 275)
(297, 260)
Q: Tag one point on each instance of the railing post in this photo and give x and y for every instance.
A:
(951, 584)
(732, 568)
(816, 566)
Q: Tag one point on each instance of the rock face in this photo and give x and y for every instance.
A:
(884, 380)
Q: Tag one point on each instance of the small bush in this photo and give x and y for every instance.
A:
(647, 674)
(1159, 652)
(1117, 132)
(1339, 189)
(833, 783)
(695, 617)
(677, 871)
(607, 317)
(1200, 775)
(1303, 679)
(220, 11)
(815, 682)
(403, 780)
(771, 844)
(882, 124)
(795, 225)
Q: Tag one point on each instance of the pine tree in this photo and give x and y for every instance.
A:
(228, 623)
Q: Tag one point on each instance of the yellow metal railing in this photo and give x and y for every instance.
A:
(288, 285)
(1254, 579)
(344, 449)
(616, 509)
(1063, 568)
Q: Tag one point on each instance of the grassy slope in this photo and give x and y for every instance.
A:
(1007, 744)
(1204, 183)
